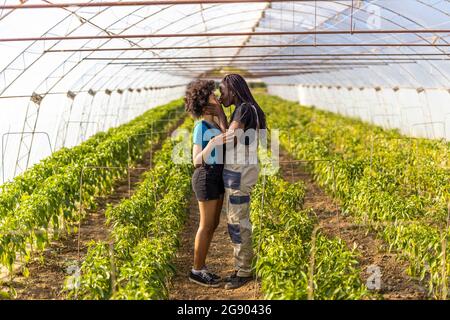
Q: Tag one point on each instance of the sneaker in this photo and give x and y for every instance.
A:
(230, 277)
(213, 275)
(216, 277)
(204, 279)
(234, 281)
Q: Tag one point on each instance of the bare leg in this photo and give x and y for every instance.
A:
(205, 231)
(216, 218)
(218, 211)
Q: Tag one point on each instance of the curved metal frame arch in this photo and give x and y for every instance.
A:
(394, 23)
(30, 120)
(343, 74)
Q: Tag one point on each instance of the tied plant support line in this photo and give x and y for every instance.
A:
(228, 34)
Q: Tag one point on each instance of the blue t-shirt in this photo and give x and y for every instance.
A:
(203, 132)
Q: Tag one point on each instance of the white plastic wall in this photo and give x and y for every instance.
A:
(102, 114)
(417, 113)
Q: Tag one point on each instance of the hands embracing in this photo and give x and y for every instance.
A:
(223, 138)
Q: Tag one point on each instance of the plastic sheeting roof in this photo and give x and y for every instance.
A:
(61, 49)
(37, 66)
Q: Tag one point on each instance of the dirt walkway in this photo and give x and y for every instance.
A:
(46, 279)
(219, 260)
(395, 283)
(47, 275)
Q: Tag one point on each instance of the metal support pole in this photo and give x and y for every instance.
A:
(20, 133)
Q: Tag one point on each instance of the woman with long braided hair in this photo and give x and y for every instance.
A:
(240, 172)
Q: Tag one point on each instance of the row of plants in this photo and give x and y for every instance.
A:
(25, 183)
(136, 263)
(295, 259)
(369, 158)
(399, 186)
(52, 204)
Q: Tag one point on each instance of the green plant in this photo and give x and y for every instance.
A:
(50, 205)
(144, 235)
(398, 186)
(293, 261)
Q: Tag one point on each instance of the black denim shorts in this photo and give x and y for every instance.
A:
(207, 182)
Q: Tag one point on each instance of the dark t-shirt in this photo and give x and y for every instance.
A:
(245, 114)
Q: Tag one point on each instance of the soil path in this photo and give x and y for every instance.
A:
(395, 283)
(219, 260)
(48, 271)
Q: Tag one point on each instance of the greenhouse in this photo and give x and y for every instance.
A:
(123, 123)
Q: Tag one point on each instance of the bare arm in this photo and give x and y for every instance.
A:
(199, 155)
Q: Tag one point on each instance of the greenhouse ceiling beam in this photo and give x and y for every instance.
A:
(261, 74)
(314, 67)
(169, 24)
(246, 62)
(55, 77)
(188, 72)
(271, 60)
(256, 69)
(258, 75)
(24, 69)
(134, 3)
(284, 55)
(259, 65)
(4, 15)
(230, 34)
(304, 45)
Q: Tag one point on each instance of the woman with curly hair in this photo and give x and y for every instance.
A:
(240, 175)
(207, 180)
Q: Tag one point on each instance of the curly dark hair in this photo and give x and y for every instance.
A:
(197, 96)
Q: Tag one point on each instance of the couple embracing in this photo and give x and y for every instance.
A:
(226, 169)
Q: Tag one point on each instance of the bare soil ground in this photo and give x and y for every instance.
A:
(219, 260)
(47, 276)
(49, 270)
(395, 283)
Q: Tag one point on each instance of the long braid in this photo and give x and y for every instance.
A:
(239, 86)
